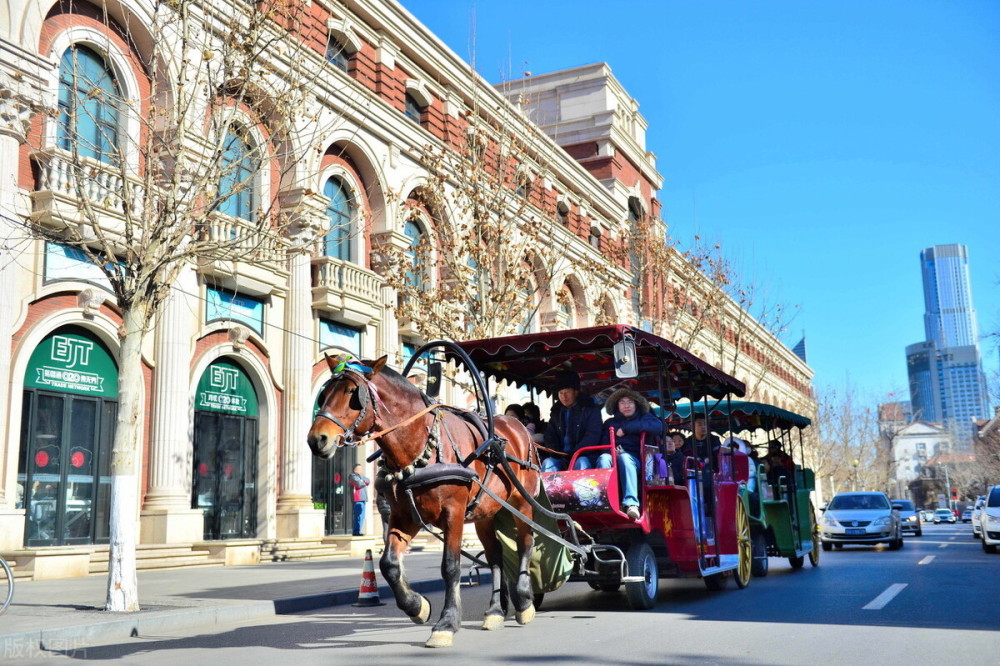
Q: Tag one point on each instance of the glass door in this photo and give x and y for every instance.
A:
(225, 472)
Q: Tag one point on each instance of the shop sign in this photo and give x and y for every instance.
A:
(224, 387)
(74, 363)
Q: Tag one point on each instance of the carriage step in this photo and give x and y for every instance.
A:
(633, 579)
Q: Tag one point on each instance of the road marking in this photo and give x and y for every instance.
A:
(927, 560)
(879, 602)
(952, 538)
(944, 545)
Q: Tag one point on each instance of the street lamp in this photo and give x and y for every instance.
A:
(856, 463)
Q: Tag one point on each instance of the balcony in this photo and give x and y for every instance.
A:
(351, 294)
(239, 255)
(64, 184)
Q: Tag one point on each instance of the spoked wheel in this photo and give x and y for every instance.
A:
(760, 560)
(814, 553)
(6, 586)
(641, 562)
(744, 547)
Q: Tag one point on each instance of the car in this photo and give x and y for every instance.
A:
(977, 515)
(990, 517)
(864, 517)
(967, 516)
(927, 515)
(943, 516)
(908, 516)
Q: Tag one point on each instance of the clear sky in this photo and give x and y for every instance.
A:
(824, 144)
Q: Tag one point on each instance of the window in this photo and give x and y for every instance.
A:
(223, 305)
(89, 99)
(236, 179)
(340, 211)
(412, 109)
(337, 55)
(414, 276)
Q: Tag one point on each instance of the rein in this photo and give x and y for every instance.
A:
(375, 435)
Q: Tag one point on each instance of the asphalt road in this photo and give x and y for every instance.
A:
(933, 602)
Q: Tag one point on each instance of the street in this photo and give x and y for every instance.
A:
(934, 601)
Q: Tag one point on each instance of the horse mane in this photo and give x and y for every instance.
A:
(399, 381)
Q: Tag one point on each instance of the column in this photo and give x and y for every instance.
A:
(167, 516)
(295, 513)
(14, 110)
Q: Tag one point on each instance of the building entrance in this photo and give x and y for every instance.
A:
(67, 426)
(225, 452)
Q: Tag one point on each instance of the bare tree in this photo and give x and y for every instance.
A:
(172, 175)
(848, 452)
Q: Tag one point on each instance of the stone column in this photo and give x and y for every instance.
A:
(167, 516)
(14, 115)
(296, 516)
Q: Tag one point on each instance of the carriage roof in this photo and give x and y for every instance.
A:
(743, 414)
(534, 359)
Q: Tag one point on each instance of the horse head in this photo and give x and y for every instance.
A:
(348, 398)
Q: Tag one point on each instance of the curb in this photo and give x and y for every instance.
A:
(159, 621)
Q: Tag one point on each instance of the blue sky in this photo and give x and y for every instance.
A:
(823, 144)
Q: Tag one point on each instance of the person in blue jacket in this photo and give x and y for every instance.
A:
(630, 417)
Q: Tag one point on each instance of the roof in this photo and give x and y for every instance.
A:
(745, 415)
(952, 459)
(533, 359)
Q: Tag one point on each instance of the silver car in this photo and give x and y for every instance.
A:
(977, 517)
(908, 516)
(861, 518)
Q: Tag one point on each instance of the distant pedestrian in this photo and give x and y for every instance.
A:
(359, 482)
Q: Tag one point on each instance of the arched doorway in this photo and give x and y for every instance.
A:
(67, 425)
(225, 452)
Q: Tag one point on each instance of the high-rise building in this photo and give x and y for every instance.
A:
(947, 384)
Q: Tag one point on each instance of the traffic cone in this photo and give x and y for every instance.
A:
(368, 594)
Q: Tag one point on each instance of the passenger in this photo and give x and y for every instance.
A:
(779, 463)
(703, 445)
(574, 423)
(630, 419)
(533, 416)
(517, 411)
(673, 456)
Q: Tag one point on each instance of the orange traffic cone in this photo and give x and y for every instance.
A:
(368, 594)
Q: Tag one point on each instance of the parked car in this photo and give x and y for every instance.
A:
(944, 516)
(977, 517)
(908, 516)
(927, 515)
(967, 516)
(990, 516)
(861, 518)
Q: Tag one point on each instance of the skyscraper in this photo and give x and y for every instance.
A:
(947, 384)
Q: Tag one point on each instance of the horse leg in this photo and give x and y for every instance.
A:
(451, 571)
(524, 598)
(493, 619)
(415, 605)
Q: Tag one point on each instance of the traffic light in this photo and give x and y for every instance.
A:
(954, 493)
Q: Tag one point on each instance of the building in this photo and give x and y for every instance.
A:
(234, 363)
(912, 445)
(947, 383)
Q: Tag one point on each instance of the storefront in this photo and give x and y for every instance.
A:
(225, 452)
(67, 425)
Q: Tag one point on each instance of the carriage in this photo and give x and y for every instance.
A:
(782, 518)
(681, 531)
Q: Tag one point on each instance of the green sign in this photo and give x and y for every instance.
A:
(73, 361)
(224, 387)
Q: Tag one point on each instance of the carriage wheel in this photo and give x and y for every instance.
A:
(744, 547)
(760, 560)
(797, 561)
(642, 562)
(814, 553)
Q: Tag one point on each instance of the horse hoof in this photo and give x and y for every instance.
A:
(440, 639)
(425, 612)
(525, 616)
(492, 622)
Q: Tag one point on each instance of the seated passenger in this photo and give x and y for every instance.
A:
(779, 463)
(630, 419)
(703, 445)
(575, 422)
(673, 457)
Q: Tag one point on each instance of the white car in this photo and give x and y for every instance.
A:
(977, 522)
(860, 518)
(990, 517)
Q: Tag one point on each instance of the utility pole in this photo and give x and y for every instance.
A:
(947, 490)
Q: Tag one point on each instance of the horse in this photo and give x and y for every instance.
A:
(428, 442)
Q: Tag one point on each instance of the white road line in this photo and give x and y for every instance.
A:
(944, 545)
(927, 560)
(879, 602)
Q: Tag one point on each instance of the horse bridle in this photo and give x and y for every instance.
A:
(366, 392)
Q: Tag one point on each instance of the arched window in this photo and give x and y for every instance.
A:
(236, 178)
(412, 110)
(340, 212)
(414, 274)
(337, 55)
(89, 99)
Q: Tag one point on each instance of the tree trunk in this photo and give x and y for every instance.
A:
(123, 586)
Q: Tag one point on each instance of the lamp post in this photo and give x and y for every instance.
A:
(947, 488)
(856, 463)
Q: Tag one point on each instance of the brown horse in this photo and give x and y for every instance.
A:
(426, 444)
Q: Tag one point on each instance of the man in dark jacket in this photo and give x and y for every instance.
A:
(704, 445)
(575, 422)
(630, 418)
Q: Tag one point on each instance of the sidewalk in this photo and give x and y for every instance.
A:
(55, 614)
